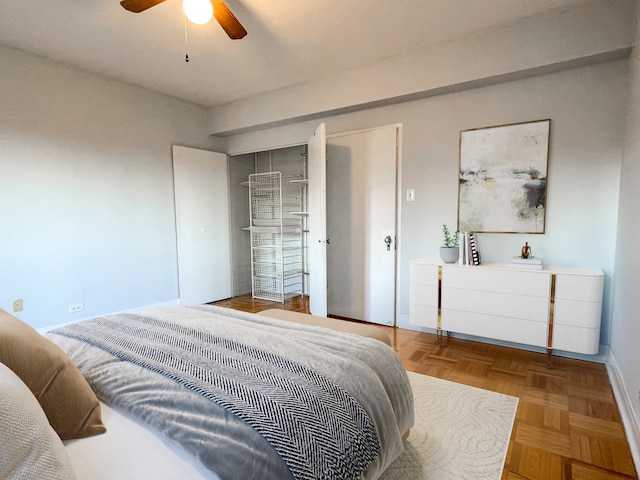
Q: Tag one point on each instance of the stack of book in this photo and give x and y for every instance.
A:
(469, 254)
(531, 263)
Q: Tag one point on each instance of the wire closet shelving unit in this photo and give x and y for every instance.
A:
(276, 205)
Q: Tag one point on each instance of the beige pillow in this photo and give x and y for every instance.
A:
(65, 396)
(30, 447)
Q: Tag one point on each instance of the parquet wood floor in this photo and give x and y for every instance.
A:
(567, 426)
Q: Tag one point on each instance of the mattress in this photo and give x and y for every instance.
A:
(130, 450)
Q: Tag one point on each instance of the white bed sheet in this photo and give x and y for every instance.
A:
(129, 450)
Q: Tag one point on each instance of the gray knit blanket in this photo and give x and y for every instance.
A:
(316, 426)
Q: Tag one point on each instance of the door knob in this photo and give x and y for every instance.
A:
(388, 241)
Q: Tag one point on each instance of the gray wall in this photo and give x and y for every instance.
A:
(86, 190)
(625, 331)
(586, 106)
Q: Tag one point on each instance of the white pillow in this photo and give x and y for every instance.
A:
(30, 447)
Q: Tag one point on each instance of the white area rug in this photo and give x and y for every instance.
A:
(460, 432)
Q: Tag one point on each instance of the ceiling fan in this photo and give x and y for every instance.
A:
(221, 13)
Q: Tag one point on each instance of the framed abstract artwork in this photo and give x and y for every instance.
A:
(503, 178)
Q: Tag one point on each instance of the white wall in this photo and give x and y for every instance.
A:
(586, 108)
(86, 190)
(625, 331)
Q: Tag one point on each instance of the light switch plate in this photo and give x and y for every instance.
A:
(411, 194)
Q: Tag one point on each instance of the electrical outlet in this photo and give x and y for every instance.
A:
(18, 305)
(76, 307)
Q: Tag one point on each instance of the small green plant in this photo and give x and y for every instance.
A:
(450, 241)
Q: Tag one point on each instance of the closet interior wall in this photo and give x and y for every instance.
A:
(290, 161)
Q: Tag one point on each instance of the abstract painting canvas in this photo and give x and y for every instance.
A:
(503, 178)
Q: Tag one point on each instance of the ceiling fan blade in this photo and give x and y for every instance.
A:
(227, 20)
(137, 6)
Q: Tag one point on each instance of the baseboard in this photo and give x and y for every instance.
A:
(625, 405)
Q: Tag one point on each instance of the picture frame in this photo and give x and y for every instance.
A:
(503, 178)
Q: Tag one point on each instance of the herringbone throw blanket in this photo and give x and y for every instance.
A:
(318, 428)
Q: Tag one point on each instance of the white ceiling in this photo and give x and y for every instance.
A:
(288, 41)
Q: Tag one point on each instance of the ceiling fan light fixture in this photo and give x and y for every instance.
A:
(198, 11)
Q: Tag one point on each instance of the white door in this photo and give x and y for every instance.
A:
(361, 225)
(202, 225)
(317, 236)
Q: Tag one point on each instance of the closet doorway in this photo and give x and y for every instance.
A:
(352, 205)
(361, 179)
(290, 162)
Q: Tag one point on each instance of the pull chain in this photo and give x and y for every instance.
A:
(186, 41)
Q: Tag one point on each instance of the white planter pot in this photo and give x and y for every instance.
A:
(449, 254)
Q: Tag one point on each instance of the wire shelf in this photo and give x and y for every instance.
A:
(276, 235)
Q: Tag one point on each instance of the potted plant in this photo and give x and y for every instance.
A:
(450, 251)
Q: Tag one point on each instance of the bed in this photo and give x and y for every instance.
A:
(204, 392)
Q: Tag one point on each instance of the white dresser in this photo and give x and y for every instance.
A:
(555, 308)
